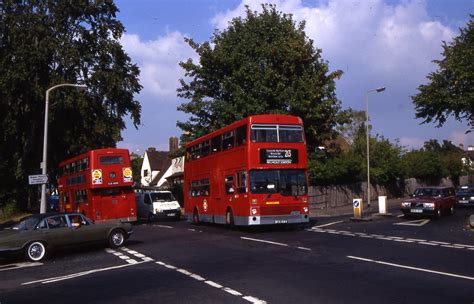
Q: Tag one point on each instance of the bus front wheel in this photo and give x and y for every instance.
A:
(229, 218)
(195, 217)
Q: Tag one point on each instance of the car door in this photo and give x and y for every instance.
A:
(85, 231)
(58, 232)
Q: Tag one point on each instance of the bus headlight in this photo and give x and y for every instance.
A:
(254, 211)
(305, 209)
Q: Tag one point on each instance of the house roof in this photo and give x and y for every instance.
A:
(159, 160)
(166, 165)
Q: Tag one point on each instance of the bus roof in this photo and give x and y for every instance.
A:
(253, 119)
(103, 150)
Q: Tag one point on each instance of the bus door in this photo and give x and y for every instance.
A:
(230, 193)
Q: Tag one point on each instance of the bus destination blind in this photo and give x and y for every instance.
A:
(279, 156)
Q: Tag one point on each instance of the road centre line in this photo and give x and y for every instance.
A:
(328, 224)
(395, 239)
(412, 268)
(212, 283)
(304, 248)
(263, 241)
(79, 274)
(18, 266)
(164, 226)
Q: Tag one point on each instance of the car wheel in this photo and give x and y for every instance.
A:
(438, 213)
(35, 251)
(195, 217)
(229, 218)
(116, 238)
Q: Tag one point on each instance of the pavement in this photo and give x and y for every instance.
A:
(392, 204)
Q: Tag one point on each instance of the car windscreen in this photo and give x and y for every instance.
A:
(160, 197)
(26, 224)
(427, 192)
(286, 182)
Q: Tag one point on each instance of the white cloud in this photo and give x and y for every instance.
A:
(412, 142)
(158, 61)
(459, 137)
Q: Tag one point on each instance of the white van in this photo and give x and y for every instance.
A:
(157, 204)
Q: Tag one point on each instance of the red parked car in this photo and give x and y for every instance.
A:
(432, 201)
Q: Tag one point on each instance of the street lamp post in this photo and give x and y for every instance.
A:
(378, 90)
(45, 139)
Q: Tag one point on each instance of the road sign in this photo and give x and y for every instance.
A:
(38, 179)
(357, 204)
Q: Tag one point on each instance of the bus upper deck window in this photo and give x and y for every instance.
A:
(290, 134)
(216, 144)
(228, 140)
(111, 160)
(241, 135)
(264, 133)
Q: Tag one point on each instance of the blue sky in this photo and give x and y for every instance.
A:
(374, 42)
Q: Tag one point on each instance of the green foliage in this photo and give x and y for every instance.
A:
(451, 88)
(424, 165)
(136, 169)
(344, 168)
(262, 63)
(45, 43)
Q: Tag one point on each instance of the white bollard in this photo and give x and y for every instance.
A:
(382, 204)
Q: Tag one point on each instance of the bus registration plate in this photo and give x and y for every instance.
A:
(281, 221)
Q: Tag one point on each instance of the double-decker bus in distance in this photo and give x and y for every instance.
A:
(252, 172)
(99, 184)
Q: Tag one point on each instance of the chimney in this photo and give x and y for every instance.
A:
(173, 144)
(151, 149)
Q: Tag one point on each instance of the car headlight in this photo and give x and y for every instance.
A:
(472, 198)
(406, 204)
(158, 210)
(254, 211)
(428, 205)
(305, 209)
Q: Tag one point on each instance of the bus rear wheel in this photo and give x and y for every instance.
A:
(229, 218)
(195, 217)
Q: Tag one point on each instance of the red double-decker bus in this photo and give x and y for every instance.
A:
(252, 172)
(99, 184)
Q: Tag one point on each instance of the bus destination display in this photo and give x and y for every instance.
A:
(278, 156)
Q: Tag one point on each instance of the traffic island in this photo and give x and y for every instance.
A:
(361, 219)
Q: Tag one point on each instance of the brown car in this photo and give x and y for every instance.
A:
(432, 201)
(37, 234)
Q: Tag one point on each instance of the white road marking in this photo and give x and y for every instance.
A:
(254, 300)
(417, 223)
(164, 226)
(232, 292)
(18, 266)
(212, 283)
(304, 248)
(396, 239)
(428, 243)
(190, 229)
(412, 268)
(79, 274)
(328, 224)
(263, 241)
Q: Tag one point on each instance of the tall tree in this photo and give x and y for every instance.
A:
(262, 63)
(45, 43)
(450, 90)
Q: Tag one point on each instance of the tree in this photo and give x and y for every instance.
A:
(44, 43)
(355, 122)
(137, 163)
(263, 63)
(451, 87)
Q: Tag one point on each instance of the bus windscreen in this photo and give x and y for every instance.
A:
(285, 182)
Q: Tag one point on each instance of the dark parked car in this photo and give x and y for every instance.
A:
(37, 234)
(433, 201)
(465, 195)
